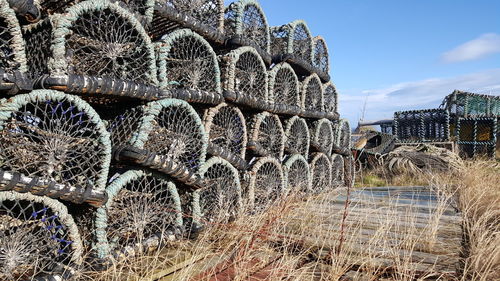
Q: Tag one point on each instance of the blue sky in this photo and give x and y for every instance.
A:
(401, 54)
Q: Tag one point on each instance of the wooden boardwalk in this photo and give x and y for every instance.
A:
(385, 229)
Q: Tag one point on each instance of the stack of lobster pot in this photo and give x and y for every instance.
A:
(125, 125)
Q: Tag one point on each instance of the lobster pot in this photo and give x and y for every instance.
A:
(142, 9)
(337, 169)
(266, 136)
(297, 174)
(342, 134)
(226, 129)
(465, 104)
(292, 38)
(55, 137)
(205, 17)
(245, 20)
(297, 136)
(477, 136)
(312, 94)
(322, 136)
(219, 201)
(170, 129)
(187, 61)
(37, 237)
(13, 56)
(265, 183)
(330, 98)
(142, 213)
(90, 48)
(284, 90)
(245, 75)
(320, 58)
(422, 125)
(321, 172)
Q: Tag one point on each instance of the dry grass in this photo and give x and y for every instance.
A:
(304, 238)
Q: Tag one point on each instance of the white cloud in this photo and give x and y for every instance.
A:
(484, 45)
(429, 93)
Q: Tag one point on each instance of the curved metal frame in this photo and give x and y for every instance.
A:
(297, 136)
(330, 98)
(266, 136)
(105, 248)
(297, 174)
(312, 94)
(322, 137)
(343, 134)
(218, 185)
(287, 33)
(321, 172)
(60, 144)
(236, 15)
(200, 63)
(284, 86)
(260, 191)
(337, 169)
(320, 58)
(59, 227)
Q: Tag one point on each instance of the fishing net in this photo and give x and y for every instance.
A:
(320, 54)
(245, 72)
(37, 236)
(284, 85)
(297, 136)
(292, 38)
(56, 137)
(330, 98)
(422, 125)
(206, 17)
(266, 182)
(465, 104)
(297, 175)
(12, 53)
(93, 38)
(246, 19)
(322, 138)
(342, 134)
(219, 201)
(321, 172)
(186, 60)
(142, 213)
(266, 137)
(337, 169)
(168, 127)
(226, 128)
(312, 94)
(477, 136)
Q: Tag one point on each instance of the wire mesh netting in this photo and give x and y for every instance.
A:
(337, 170)
(168, 127)
(312, 94)
(284, 85)
(54, 136)
(226, 128)
(219, 201)
(37, 236)
(320, 54)
(208, 13)
(477, 136)
(422, 125)
(330, 98)
(297, 136)
(266, 182)
(322, 136)
(465, 104)
(142, 207)
(246, 18)
(266, 136)
(321, 172)
(12, 53)
(186, 60)
(297, 175)
(292, 38)
(94, 38)
(342, 134)
(142, 9)
(245, 72)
